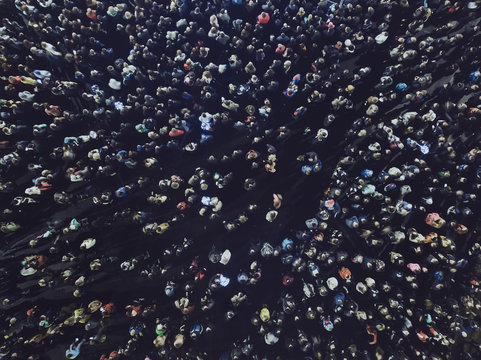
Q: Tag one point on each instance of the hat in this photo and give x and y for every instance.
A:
(115, 84)
(94, 306)
(332, 283)
(226, 255)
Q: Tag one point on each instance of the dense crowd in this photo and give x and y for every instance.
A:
(279, 179)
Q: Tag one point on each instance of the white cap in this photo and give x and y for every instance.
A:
(332, 283)
(225, 257)
(115, 84)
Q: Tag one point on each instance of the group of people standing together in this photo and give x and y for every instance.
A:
(279, 179)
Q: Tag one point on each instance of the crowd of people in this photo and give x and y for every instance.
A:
(279, 179)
